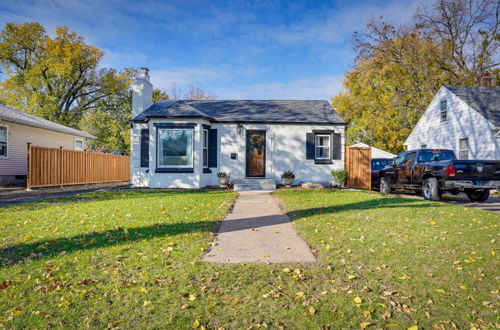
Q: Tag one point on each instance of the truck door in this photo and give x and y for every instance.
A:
(392, 173)
(406, 170)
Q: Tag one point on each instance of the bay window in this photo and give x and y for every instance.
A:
(175, 148)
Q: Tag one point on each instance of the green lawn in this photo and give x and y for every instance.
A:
(133, 259)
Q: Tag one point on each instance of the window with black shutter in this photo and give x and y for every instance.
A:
(323, 146)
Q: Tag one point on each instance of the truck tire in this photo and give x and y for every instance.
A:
(478, 196)
(384, 186)
(430, 190)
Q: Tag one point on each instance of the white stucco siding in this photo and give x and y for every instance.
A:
(462, 122)
(18, 137)
(285, 150)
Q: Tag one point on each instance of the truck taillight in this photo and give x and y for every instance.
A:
(451, 170)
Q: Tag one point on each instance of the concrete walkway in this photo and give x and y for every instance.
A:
(257, 231)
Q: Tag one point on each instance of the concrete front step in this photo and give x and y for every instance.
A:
(254, 184)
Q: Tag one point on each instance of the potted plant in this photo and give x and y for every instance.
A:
(223, 178)
(339, 177)
(288, 177)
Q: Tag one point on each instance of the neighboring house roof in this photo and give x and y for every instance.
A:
(376, 152)
(483, 99)
(282, 111)
(15, 116)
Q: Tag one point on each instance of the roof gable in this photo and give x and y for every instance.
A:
(19, 117)
(286, 111)
(483, 99)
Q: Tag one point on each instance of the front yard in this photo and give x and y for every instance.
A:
(133, 259)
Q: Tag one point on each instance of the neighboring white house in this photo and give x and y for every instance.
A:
(18, 128)
(463, 119)
(376, 152)
(185, 143)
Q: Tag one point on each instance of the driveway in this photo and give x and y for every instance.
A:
(492, 204)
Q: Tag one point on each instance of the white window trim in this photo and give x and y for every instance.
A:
(204, 147)
(6, 141)
(329, 146)
(441, 111)
(158, 148)
(468, 148)
(83, 144)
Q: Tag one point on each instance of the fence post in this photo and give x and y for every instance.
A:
(28, 177)
(61, 166)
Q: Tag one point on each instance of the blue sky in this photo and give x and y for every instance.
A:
(235, 49)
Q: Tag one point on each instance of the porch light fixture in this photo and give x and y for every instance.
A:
(239, 128)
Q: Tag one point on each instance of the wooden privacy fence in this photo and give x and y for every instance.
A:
(358, 162)
(60, 167)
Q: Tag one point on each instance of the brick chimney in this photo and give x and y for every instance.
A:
(142, 92)
(485, 79)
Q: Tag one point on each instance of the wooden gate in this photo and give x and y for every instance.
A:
(358, 162)
(59, 167)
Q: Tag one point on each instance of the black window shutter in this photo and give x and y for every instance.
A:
(336, 146)
(144, 147)
(309, 145)
(212, 148)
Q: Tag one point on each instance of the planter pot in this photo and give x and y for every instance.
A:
(224, 181)
(338, 184)
(287, 182)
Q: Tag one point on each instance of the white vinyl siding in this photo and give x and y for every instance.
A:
(18, 137)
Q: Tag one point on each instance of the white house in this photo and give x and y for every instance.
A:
(463, 119)
(18, 128)
(185, 143)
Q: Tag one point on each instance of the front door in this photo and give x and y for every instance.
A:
(256, 154)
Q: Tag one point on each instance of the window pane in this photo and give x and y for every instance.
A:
(464, 143)
(322, 152)
(463, 154)
(423, 146)
(78, 145)
(205, 138)
(443, 105)
(205, 157)
(175, 147)
(443, 115)
(322, 140)
(3, 134)
(3, 149)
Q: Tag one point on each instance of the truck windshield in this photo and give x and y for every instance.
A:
(435, 156)
(380, 163)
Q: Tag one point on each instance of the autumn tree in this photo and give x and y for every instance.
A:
(55, 78)
(398, 69)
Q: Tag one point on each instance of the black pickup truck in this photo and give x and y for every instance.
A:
(434, 171)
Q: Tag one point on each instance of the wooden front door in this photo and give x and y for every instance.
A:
(256, 153)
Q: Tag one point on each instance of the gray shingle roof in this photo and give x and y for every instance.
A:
(15, 116)
(277, 111)
(483, 99)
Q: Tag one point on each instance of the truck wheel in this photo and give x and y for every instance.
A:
(430, 190)
(384, 186)
(478, 196)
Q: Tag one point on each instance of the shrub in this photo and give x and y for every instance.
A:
(340, 177)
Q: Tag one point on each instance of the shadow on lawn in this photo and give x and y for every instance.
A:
(370, 204)
(101, 196)
(54, 247)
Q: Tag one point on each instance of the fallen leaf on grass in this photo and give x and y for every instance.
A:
(463, 287)
(413, 328)
(4, 285)
(265, 256)
(358, 300)
(192, 297)
(196, 324)
(391, 325)
(364, 325)
(312, 311)
(440, 291)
